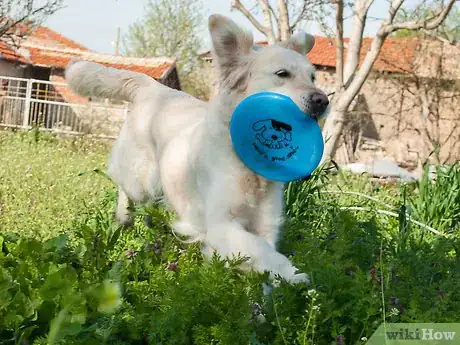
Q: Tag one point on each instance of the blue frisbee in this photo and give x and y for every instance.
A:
(274, 138)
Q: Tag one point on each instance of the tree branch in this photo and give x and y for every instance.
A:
(385, 29)
(284, 27)
(426, 23)
(451, 133)
(30, 15)
(360, 77)
(236, 4)
(300, 16)
(394, 8)
(270, 32)
(275, 17)
(447, 40)
(354, 46)
(272, 10)
(339, 43)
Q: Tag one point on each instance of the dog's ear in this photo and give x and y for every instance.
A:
(301, 42)
(230, 46)
(281, 126)
(228, 39)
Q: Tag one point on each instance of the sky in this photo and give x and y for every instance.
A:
(94, 23)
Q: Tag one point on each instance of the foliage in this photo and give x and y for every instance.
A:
(449, 29)
(41, 186)
(438, 204)
(100, 284)
(200, 81)
(69, 291)
(169, 28)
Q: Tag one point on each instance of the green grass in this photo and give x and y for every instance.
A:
(90, 282)
(45, 182)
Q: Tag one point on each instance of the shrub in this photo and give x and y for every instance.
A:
(92, 282)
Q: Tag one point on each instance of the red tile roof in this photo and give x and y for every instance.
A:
(396, 55)
(153, 67)
(45, 47)
(10, 54)
(48, 35)
(156, 72)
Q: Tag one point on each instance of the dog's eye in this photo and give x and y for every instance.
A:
(313, 78)
(282, 73)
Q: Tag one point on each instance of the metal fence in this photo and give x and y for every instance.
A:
(52, 106)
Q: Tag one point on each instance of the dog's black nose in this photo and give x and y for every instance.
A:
(318, 103)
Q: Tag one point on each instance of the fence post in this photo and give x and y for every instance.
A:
(25, 121)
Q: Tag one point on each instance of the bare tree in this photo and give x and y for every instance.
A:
(18, 17)
(280, 20)
(353, 76)
(448, 31)
(351, 73)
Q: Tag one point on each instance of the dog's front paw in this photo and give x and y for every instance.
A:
(279, 265)
(293, 276)
(299, 278)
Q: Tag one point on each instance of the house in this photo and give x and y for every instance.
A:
(34, 70)
(407, 108)
(45, 53)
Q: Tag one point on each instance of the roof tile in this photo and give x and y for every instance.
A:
(9, 54)
(46, 34)
(45, 47)
(397, 53)
(154, 68)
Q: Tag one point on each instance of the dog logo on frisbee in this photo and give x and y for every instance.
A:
(273, 134)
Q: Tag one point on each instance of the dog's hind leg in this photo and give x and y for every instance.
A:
(123, 213)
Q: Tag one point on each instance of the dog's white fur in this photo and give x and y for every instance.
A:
(178, 145)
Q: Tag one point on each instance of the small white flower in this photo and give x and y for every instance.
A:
(394, 312)
(312, 292)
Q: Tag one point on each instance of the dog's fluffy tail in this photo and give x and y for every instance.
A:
(90, 79)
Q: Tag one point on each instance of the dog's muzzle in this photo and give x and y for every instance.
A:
(315, 104)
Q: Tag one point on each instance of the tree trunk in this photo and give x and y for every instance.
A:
(351, 75)
(332, 131)
(339, 49)
(342, 100)
(356, 37)
(268, 21)
(283, 21)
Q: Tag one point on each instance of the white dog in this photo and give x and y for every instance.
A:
(178, 145)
